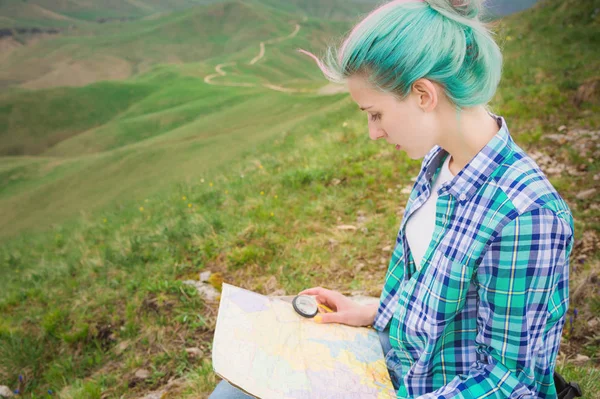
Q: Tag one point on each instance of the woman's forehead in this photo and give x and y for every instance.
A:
(363, 93)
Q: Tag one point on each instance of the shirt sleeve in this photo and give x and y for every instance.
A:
(523, 271)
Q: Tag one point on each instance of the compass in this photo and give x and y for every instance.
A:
(305, 306)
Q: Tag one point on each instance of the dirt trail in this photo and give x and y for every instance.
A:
(221, 72)
(261, 54)
(276, 40)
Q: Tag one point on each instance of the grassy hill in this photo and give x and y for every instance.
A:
(120, 50)
(168, 114)
(80, 13)
(164, 176)
(63, 13)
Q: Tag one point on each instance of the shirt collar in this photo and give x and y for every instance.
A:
(468, 181)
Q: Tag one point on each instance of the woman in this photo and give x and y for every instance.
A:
(476, 292)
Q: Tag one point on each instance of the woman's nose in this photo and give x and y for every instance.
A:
(376, 133)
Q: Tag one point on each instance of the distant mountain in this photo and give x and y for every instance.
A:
(61, 13)
(65, 13)
(501, 8)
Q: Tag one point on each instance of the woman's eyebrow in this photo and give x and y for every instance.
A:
(365, 108)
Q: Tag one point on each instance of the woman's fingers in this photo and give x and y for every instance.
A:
(312, 291)
(323, 296)
(325, 305)
(337, 317)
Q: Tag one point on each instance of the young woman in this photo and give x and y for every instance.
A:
(476, 292)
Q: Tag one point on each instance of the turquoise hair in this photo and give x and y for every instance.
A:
(405, 40)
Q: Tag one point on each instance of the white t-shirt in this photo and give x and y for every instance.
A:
(420, 225)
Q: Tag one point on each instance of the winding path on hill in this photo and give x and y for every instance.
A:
(276, 40)
(261, 54)
(221, 72)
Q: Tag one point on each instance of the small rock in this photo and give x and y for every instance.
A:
(580, 359)
(406, 190)
(170, 390)
(335, 182)
(206, 291)
(209, 293)
(593, 323)
(194, 352)
(359, 267)
(387, 248)
(155, 395)
(142, 374)
(271, 284)
(586, 194)
(5, 392)
(204, 276)
(121, 347)
(346, 227)
(561, 128)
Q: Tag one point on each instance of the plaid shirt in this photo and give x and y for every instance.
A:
(484, 316)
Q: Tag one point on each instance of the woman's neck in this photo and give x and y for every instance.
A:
(464, 139)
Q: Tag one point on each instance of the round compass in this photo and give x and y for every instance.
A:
(305, 305)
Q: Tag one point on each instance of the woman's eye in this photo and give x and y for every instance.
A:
(374, 117)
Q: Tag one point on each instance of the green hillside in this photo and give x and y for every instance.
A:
(128, 188)
(82, 13)
(62, 13)
(79, 135)
(120, 50)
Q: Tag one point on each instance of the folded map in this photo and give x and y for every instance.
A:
(262, 346)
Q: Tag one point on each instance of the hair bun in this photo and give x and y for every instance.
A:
(465, 8)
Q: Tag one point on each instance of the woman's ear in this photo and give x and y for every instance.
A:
(426, 94)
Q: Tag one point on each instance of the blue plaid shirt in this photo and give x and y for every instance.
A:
(484, 315)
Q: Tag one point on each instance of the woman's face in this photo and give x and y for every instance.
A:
(409, 125)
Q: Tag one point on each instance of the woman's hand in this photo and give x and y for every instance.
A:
(345, 310)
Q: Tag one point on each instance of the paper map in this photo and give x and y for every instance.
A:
(264, 347)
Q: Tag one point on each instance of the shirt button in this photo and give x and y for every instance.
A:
(462, 197)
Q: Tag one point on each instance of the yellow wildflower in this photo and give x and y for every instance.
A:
(141, 209)
(260, 166)
(184, 198)
(210, 184)
(275, 197)
(272, 214)
(189, 205)
(104, 220)
(262, 193)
